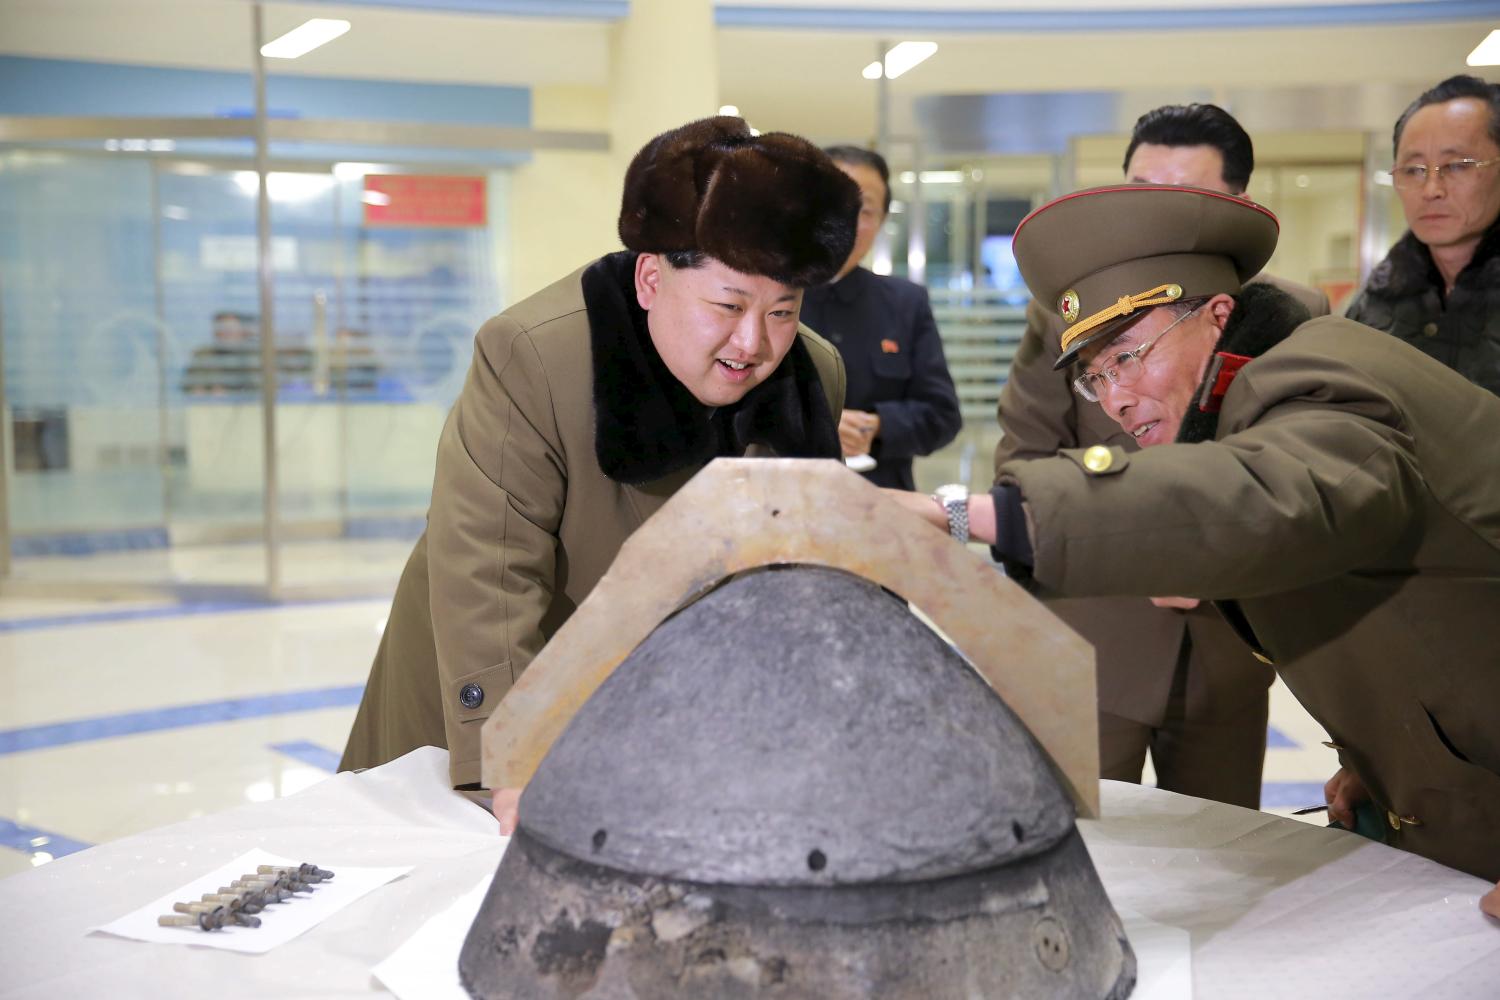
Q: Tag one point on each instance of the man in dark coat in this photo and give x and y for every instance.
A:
(901, 402)
(591, 402)
(1439, 287)
(1173, 677)
(1333, 490)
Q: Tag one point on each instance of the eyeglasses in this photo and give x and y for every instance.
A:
(1455, 172)
(1125, 368)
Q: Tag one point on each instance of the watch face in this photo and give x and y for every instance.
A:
(952, 491)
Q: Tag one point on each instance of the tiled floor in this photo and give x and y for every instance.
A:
(119, 717)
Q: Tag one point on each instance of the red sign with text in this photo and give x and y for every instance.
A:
(423, 200)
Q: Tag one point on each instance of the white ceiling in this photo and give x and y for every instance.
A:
(384, 43)
(803, 81)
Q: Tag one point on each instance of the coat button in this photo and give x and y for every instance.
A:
(1429, 330)
(1098, 459)
(1332, 745)
(471, 695)
(1393, 819)
(1411, 821)
(1262, 657)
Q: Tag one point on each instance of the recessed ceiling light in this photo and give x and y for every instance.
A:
(304, 38)
(905, 55)
(730, 110)
(1487, 52)
(872, 71)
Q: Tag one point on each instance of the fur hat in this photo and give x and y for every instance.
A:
(773, 204)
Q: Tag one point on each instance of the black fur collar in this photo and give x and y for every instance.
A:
(1263, 317)
(1408, 270)
(646, 423)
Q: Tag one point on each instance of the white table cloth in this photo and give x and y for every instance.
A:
(1275, 908)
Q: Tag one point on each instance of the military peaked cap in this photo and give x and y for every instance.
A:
(1105, 256)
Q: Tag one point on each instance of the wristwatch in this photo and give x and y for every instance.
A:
(954, 499)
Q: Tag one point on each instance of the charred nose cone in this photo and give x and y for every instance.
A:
(793, 788)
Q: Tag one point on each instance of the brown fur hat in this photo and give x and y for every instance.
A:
(773, 204)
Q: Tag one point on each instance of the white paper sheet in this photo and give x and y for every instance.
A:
(1164, 959)
(425, 967)
(280, 922)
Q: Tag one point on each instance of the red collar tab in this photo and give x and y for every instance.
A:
(1221, 372)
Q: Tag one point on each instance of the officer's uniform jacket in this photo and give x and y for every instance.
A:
(1404, 296)
(568, 434)
(884, 328)
(1350, 509)
(1135, 642)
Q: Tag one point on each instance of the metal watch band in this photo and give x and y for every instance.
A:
(957, 508)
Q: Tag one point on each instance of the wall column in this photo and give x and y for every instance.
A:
(663, 72)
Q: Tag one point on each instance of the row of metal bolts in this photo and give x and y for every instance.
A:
(239, 901)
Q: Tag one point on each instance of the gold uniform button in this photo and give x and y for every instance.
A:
(1262, 657)
(1393, 819)
(1098, 459)
(1411, 821)
(1332, 745)
(1430, 330)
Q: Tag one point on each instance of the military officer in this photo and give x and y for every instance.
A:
(1332, 489)
(1173, 678)
(591, 402)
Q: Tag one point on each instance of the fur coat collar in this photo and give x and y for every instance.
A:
(646, 423)
(1263, 317)
(1408, 270)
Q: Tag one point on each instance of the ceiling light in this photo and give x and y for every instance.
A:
(933, 177)
(730, 110)
(872, 71)
(1487, 52)
(304, 38)
(905, 55)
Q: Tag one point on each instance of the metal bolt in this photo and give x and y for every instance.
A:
(232, 900)
(264, 893)
(244, 919)
(302, 873)
(1050, 939)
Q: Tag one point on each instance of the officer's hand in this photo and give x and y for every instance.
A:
(506, 806)
(1491, 902)
(1180, 603)
(857, 431)
(920, 504)
(1343, 792)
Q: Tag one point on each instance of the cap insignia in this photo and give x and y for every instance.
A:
(1068, 306)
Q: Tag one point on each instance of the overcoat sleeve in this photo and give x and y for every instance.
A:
(926, 417)
(1314, 477)
(497, 507)
(1037, 413)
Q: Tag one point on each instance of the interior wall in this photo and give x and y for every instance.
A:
(564, 203)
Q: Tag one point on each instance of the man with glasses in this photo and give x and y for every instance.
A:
(1332, 490)
(1439, 287)
(1174, 681)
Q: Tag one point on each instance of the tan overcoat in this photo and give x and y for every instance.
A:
(1136, 643)
(523, 523)
(1350, 508)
